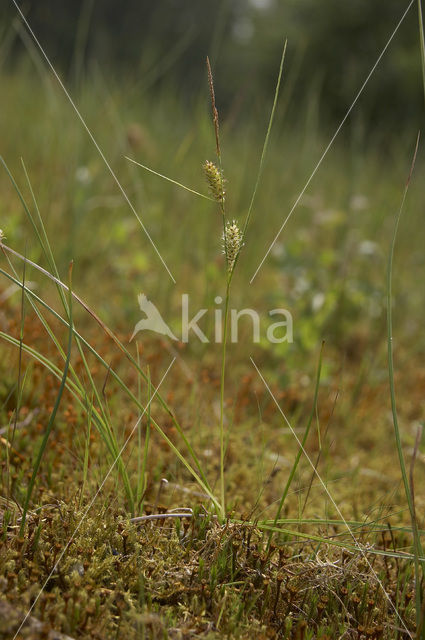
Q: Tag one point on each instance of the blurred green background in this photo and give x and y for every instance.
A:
(331, 49)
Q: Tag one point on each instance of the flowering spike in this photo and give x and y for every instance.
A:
(215, 180)
(232, 243)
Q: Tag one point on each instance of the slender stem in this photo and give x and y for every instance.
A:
(146, 449)
(266, 141)
(223, 376)
(416, 539)
(300, 450)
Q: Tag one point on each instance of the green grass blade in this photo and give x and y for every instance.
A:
(301, 448)
(418, 552)
(51, 422)
(178, 184)
(266, 140)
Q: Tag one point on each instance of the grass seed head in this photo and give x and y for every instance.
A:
(232, 243)
(215, 180)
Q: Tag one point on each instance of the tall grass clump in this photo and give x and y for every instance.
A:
(232, 236)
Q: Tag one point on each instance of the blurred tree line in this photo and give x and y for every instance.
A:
(332, 46)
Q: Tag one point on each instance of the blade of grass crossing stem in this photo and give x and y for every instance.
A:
(344, 544)
(139, 486)
(178, 184)
(143, 471)
(52, 415)
(301, 448)
(49, 331)
(263, 152)
(417, 547)
(21, 339)
(86, 452)
(266, 140)
(108, 434)
(41, 235)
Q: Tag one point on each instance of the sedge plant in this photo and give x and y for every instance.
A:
(233, 241)
(233, 237)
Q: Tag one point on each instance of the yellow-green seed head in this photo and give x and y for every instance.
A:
(215, 180)
(232, 242)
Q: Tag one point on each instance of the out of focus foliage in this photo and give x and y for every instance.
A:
(332, 46)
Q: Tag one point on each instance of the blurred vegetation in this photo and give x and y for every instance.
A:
(330, 50)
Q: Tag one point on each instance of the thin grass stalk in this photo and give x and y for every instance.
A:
(371, 526)
(222, 387)
(301, 448)
(417, 547)
(109, 435)
(178, 184)
(343, 544)
(266, 141)
(19, 387)
(21, 338)
(143, 471)
(222, 207)
(86, 453)
(42, 237)
(223, 366)
(227, 299)
(232, 269)
(139, 487)
(52, 415)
